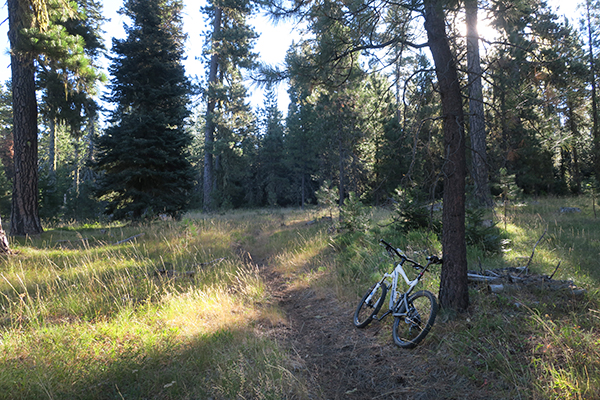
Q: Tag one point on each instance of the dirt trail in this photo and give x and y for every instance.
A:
(340, 361)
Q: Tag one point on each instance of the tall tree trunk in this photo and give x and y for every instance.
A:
(77, 172)
(454, 292)
(209, 130)
(52, 151)
(479, 169)
(342, 171)
(302, 194)
(574, 128)
(595, 127)
(25, 219)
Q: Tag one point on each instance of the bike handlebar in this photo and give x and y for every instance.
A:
(434, 259)
(431, 259)
(391, 248)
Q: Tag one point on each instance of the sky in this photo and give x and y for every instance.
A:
(271, 46)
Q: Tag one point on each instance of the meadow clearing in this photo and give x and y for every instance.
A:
(222, 306)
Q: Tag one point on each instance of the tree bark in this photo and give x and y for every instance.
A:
(302, 194)
(595, 127)
(479, 169)
(209, 130)
(454, 292)
(342, 170)
(52, 148)
(25, 219)
(574, 167)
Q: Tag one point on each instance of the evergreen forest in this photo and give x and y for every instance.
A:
(365, 113)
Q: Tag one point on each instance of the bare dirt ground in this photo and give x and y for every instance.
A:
(339, 361)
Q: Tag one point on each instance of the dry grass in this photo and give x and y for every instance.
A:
(84, 318)
(532, 343)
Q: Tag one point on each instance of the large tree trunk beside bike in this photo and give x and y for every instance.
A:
(453, 284)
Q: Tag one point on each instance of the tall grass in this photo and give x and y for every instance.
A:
(170, 314)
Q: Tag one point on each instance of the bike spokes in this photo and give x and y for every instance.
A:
(369, 305)
(410, 329)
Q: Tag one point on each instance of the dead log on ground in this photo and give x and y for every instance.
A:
(511, 280)
(129, 239)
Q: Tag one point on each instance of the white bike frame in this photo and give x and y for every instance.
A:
(394, 295)
(398, 270)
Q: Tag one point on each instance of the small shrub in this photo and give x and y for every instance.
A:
(354, 215)
(412, 212)
(327, 197)
(479, 234)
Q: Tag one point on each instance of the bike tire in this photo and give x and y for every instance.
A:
(367, 310)
(411, 329)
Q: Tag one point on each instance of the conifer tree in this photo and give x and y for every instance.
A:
(228, 117)
(524, 76)
(144, 153)
(24, 17)
(341, 34)
(37, 32)
(272, 173)
(477, 134)
(301, 145)
(591, 10)
(67, 99)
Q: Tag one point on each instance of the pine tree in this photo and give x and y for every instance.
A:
(272, 173)
(454, 291)
(524, 75)
(22, 17)
(228, 118)
(477, 134)
(67, 100)
(591, 8)
(39, 31)
(144, 152)
(302, 147)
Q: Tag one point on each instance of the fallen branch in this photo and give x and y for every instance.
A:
(129, 238)
(533, 252)
(511, 279)
(481, 278)
(555, 269)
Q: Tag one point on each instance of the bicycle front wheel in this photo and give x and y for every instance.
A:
(370, 305)
(410, 329)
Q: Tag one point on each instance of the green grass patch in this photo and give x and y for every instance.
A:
(171, 313)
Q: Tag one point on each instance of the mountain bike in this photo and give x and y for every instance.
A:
(414, 313)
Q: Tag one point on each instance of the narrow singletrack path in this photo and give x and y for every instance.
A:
(339, 361)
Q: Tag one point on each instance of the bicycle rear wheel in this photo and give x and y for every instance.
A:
(410, 329)
(369, 307)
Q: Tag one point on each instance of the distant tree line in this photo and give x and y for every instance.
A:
(363, 117)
